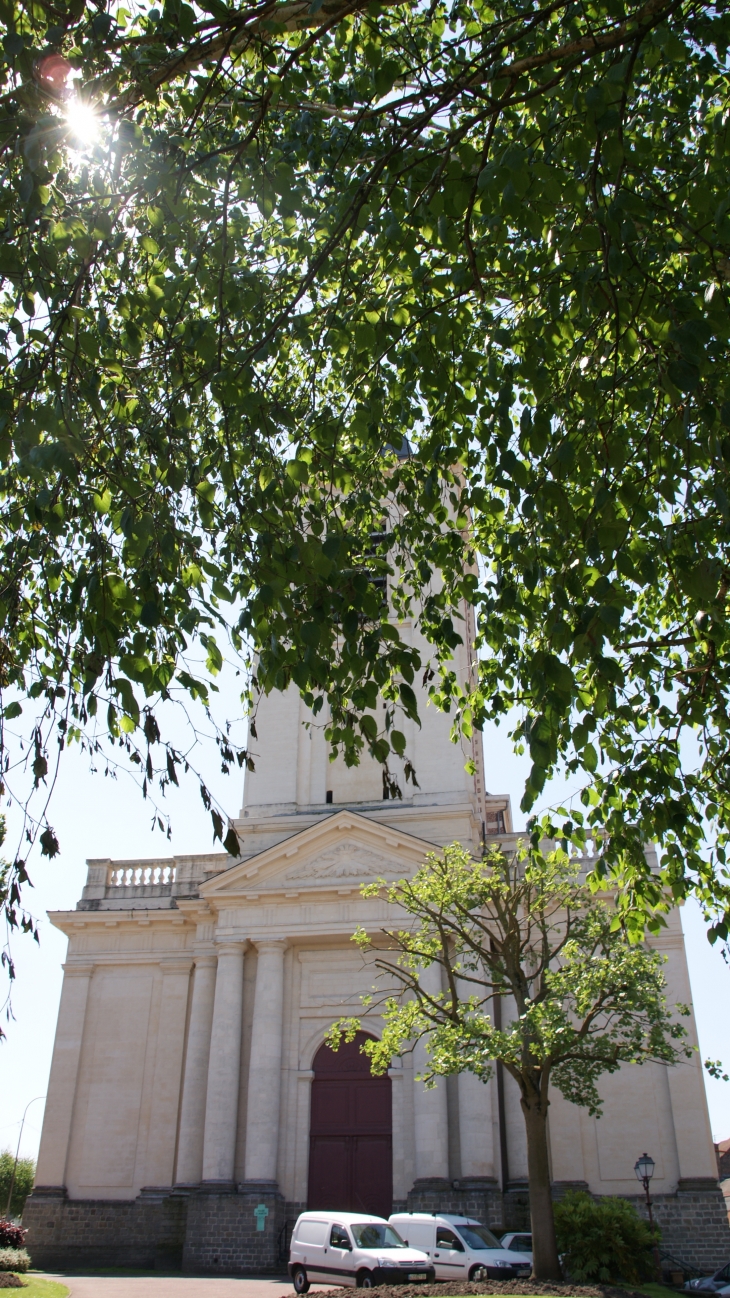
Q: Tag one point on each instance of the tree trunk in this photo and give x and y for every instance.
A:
(545, 1261)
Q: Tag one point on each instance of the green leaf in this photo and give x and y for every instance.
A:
(297, 470)
(397, 742)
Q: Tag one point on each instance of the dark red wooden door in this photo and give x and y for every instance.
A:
(350, 1134)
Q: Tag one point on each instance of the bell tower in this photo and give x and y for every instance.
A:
(295, 782)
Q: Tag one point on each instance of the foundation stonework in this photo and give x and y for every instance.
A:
(223, 1235)
(693, 1223)
(145, 1233)
(198, 991)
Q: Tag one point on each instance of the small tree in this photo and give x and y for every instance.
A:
(22, 1185)
(587, 999)
(603, 1240)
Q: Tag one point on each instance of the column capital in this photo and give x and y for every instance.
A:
(230, 946)
(176, 964)
(273, 944)
(206, 959)
(78, 969)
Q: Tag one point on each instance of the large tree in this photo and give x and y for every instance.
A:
(582, 999)
(245, 251)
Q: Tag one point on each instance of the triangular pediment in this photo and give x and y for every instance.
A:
(339, 852)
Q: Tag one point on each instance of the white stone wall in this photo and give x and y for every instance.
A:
(197, 992)
(186, 1038)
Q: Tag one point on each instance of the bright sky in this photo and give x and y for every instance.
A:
(98, 817)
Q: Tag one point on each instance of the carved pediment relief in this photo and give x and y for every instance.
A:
(348, 861)
(338, 853)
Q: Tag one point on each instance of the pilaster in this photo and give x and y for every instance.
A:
(430, 1106)
(189, 1170)
(219, 1142)
(58, 1117)
(264, 1083)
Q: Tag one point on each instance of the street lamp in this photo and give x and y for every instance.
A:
(17, 1153)
(644, 1169)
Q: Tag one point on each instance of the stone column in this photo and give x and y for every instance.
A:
(189, 1169)
(160, 1160)
(400, 1183)
(224, 1069)
(430, 1111)
(476, 1135)
(264, 1082)
(58, 1117)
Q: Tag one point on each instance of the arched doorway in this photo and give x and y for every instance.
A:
(350, 1133)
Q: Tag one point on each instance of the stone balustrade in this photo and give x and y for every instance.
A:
(141, 876)
(151, 883)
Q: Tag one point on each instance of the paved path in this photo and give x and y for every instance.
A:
(185, 1286)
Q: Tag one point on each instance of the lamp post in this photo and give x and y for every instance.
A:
(17, 1153)
(644, 1169)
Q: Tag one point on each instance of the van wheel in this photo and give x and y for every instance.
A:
(364, 1280)
(299, 1280)
(478, 1273)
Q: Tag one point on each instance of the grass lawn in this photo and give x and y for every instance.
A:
(654, 1290)
(35, 1287)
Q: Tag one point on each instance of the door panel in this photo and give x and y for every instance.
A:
(329, 1171)
(372, 1106)
(350, 1150)
(372, 1182)
(330, 1106)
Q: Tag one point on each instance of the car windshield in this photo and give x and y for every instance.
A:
(477, 1237)
(375, 1234)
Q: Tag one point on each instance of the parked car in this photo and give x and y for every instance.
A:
(460, 1247)
(519, 1241)
(352, 1248)
(710, 1283)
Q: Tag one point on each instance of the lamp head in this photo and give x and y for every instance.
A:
(644, 1168)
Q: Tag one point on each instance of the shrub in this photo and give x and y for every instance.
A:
(14, 1259)
(10, 1281)
(11, 1236)
(603, 1239)
(24, 1177)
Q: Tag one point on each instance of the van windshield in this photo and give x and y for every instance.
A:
(375, 1234)
(477, 1237)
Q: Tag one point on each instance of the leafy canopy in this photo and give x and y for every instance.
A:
(297, 233)
(586, 999)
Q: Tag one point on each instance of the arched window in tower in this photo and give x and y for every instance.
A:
(350, 1134)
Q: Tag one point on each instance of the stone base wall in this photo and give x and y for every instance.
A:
(694, 1223)
(147, 1233)
(223, 1235)
(217, 1233)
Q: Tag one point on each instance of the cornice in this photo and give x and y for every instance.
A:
(234, 885)
(72, 922)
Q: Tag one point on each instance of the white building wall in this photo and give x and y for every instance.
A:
(113, 1110)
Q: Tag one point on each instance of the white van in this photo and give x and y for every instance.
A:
(459, 1247)
(351, 1248)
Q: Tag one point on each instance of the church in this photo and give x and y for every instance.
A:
(193, 1108)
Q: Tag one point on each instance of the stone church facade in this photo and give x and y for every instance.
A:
(193, 1109)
